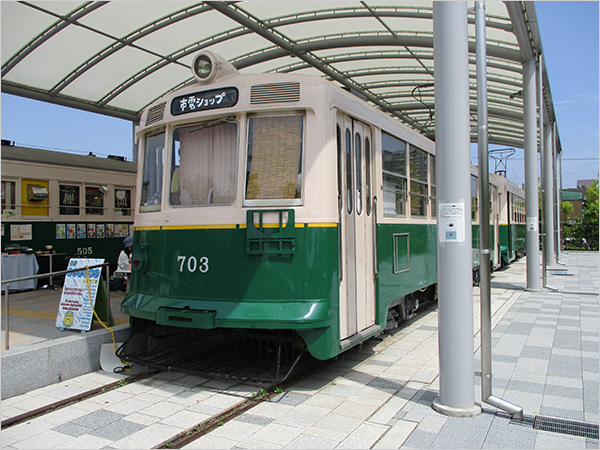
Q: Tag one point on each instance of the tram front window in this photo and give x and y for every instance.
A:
(154, 150)
(204, 162)
(274, 175)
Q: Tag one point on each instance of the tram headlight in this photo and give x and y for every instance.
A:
(205, 67)
(208, 66)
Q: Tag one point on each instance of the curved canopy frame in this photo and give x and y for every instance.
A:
(115, 58)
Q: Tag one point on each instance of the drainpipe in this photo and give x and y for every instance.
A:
(484, 221)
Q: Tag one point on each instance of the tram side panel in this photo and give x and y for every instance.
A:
(407, 260)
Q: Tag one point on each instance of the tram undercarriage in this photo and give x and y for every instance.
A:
(263, 356)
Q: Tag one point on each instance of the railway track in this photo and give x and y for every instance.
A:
(237, 398)
(253, 394)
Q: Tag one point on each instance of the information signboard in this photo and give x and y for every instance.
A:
(75, 310)
(451, 222)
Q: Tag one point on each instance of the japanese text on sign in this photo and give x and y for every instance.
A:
(200, 101)
(75, 310)
(451, 222)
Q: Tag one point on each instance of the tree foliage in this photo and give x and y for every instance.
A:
(567, 208)
(590, 216)
(584, 234)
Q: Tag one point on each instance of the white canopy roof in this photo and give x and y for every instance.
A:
(117, 57)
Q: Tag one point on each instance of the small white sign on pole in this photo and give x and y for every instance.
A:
(76, 311)
(451, 222)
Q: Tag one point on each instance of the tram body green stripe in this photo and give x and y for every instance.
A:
(298, 291)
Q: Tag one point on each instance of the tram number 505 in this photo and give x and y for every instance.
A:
(193, 264)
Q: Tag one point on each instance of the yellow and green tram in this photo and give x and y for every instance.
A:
(507, 221)
(280, 202)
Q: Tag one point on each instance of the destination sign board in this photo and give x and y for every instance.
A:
(201, 101)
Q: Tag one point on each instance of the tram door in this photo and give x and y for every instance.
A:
(355, 184)
(495, 213)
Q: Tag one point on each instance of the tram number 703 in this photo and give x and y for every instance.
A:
(193, 264)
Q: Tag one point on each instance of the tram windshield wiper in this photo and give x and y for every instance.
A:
(212, 123)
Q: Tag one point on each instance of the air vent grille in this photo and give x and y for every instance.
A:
(275, 93)
(156, 114)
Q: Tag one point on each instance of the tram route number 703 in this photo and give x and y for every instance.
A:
(193, 264)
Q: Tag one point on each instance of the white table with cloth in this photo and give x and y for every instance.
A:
(18, 266)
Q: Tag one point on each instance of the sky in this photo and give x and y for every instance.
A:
(569, 32)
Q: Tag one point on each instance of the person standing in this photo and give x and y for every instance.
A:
(117, 283)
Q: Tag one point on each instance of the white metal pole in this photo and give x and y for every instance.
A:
(455, 317)
(532, 236)
(549, 194)
(557, 195)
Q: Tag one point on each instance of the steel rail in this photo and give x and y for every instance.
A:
(70, 400)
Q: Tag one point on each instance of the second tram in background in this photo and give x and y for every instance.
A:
(279, 203)
(507, 221)
(65, 204)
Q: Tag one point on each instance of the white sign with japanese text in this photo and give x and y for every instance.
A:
(451, 222)
(76, 308)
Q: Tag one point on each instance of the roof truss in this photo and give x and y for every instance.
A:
(382, 51)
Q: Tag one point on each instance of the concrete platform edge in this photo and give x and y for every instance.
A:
(45, 363)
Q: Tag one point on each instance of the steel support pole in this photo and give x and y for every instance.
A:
(455, 303)
(532, 236)
(542, 201)
(549, 195)
(558, 196)
(484, 221)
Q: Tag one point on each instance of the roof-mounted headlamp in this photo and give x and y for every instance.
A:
(204, 67)
(207, 65)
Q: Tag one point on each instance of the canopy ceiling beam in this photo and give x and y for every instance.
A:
(289, 47)
(53, 30)
(128, 40)
(9, 87)
(329, 42)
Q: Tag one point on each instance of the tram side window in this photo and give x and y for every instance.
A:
(394, 176)
(94, 201)
(274, 165)
(358, 169)
(474, 200)
(492, 198)
(340, 168)
(518, 210)
(69, 200)
(154, 155)
(368, 174)
(433, 183)
(349, 196)
(418, 182)
(204, 164)
(8, 199)
(122, 202)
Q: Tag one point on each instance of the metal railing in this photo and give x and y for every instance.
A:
(46, 275)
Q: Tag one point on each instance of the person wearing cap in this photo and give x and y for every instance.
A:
(124, 262)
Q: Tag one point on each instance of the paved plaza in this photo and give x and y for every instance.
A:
(544, 358)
